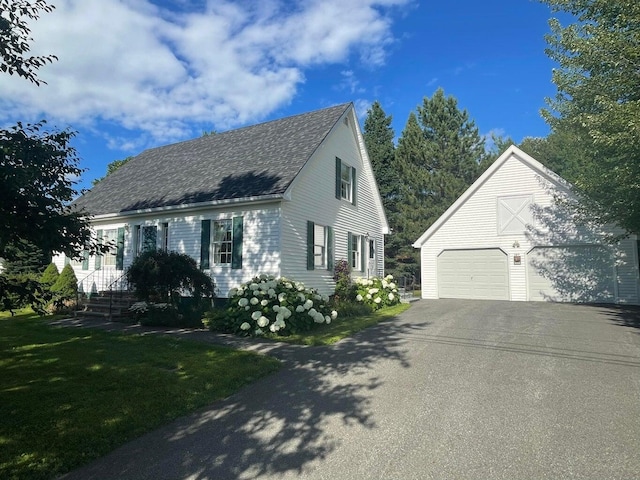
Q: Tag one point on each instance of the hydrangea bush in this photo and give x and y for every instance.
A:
(276, 305)
(377, 292)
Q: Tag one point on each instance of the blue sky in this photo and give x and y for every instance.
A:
(133, 74)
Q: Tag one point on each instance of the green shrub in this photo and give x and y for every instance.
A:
(187, 312)
(162, 276)
(344, 285)
(22, 290)
(65, 290)
(49, 276)
(266, 304)
(377, 292)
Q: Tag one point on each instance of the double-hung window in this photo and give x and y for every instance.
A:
(319, 247)
(345, 182)
(222, 241)
(356, 252)
(110, 236)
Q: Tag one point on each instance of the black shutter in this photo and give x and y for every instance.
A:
(205, 241)
(310, 241)
(236, 249)
(349, 249)
(99, 254)
(338, 178)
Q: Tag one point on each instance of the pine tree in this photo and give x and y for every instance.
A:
(378, 138)
(66, 287)
(49, 276)
(439, 154)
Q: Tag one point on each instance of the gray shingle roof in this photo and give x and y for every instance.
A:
(252, 161)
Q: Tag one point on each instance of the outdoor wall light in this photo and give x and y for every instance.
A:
(516, 244)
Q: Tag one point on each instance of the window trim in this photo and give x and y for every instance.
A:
(213, 243)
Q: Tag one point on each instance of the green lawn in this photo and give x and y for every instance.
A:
(343, 327)
(69, 395)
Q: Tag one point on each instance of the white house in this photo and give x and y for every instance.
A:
(508, 237)
(288, 198)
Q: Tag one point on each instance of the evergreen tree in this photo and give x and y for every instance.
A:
(49, 276)
(23, 257)
(439, 155)
(378, 138)
(65, 289)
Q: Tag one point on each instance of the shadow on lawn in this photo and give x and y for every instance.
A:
(283, 423)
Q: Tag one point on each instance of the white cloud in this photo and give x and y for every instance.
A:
(142, 67)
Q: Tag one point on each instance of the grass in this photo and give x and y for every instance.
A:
(343, 327)
(71, 395)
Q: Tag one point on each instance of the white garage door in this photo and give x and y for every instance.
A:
(582, 273)
(480, 274)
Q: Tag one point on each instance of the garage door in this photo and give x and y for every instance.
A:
(480, 274)
(582, 273)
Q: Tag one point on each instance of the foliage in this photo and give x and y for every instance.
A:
(598, 103)
(102, 390)
(185, 313)
(342, 277)
(111, 167)
(37, 173)
(162, 276)
(15, 38)
(49, 276)
(378, 138)
(377, 292)
(439, 154)
(65, 290)
(24, 257)
(22, 290)
(266, 304)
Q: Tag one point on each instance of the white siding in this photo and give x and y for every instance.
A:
(313, 199)
(475, 224)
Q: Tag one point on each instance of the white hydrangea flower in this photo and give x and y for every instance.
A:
(301, 297)
(254, 286)
(392, 285)
(327, 319)
(301, 287)
(384, 284)
(391, 296)
(256, 315)
(263, 321)
(245, 326)
(233, 292)
(312, 312)
(377, 300)
(258, 331)
(273, 328)
(308, 304)
(359, 298)
(318, 318)
(286, 312)
(276, 308)
(264, 302)
(373, 291)
(247, 307)
(254, 300)
(271, 292)
(288, 286)
(369, 297)
(243, 302)
(279, 317)
(300, 308)
(334, 314)
(281, 297)
(388, 278)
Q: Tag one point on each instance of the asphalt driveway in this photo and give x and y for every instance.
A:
(449, 390)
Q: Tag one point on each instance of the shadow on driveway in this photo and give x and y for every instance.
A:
(282, 423)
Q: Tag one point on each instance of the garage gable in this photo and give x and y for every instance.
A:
(509, 237)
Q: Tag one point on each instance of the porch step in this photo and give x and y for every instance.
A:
(115, 307)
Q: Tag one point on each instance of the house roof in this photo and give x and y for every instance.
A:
(511, 152)
(254, 162)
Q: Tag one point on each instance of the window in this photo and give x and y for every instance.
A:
(372, 249)
(221, 239)
(319, 246)
(222, 242)
(111, 237)
(345, 182)
(356, 253)
(146, 238)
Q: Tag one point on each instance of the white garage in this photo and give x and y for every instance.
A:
(576, 273)
(481, 274)
(509, 238)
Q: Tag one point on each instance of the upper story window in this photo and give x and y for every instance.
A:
(345, 182)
